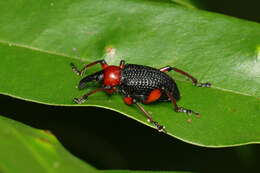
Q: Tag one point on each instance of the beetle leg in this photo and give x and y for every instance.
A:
(82, 71)
(159, 127)
(83, 98)
(180, 109)
(122, 64)
(130, 100)
(194, 80)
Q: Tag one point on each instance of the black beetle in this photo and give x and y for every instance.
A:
(137, 83)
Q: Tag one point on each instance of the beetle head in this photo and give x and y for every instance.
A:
(112, 76)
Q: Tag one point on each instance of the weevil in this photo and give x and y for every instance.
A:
(137, 84)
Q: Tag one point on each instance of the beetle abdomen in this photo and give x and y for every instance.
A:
(138, 80)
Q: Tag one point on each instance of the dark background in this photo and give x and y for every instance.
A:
(107, 140)
(244, 9)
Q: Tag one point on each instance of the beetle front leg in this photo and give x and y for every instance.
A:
(122, 64)
(193, 79)
(181, 109)
(83, 98)
(82, 71)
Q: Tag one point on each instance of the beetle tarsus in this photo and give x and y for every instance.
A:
(79, 100)
(159, 127)
(186, 111)
(181, 109)
(83, 98)
(206, 85)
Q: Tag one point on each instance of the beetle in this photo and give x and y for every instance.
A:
(137, 84)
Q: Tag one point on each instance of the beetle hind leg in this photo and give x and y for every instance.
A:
(181, 109)
(193, 79)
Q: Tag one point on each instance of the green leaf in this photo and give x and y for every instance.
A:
(38, 41)
(193, 4)
(24, 149)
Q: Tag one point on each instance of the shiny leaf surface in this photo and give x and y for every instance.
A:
(40, 40)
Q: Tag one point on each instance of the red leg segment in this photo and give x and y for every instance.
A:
(110, 91)
(194, 80)
(122, 64)
(128, 100)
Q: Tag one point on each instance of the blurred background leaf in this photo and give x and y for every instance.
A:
(24, 149)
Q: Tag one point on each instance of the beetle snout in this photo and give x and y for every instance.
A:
(98, 76)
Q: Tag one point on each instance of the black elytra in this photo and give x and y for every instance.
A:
(137, 83)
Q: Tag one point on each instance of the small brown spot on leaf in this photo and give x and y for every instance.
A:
(110, 51)
(47, 132)
(198, 115)
(44, 140)
(189, 120)
(233, 110)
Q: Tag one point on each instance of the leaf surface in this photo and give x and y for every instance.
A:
(38, 42)
(24, 149)
(193, 4)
